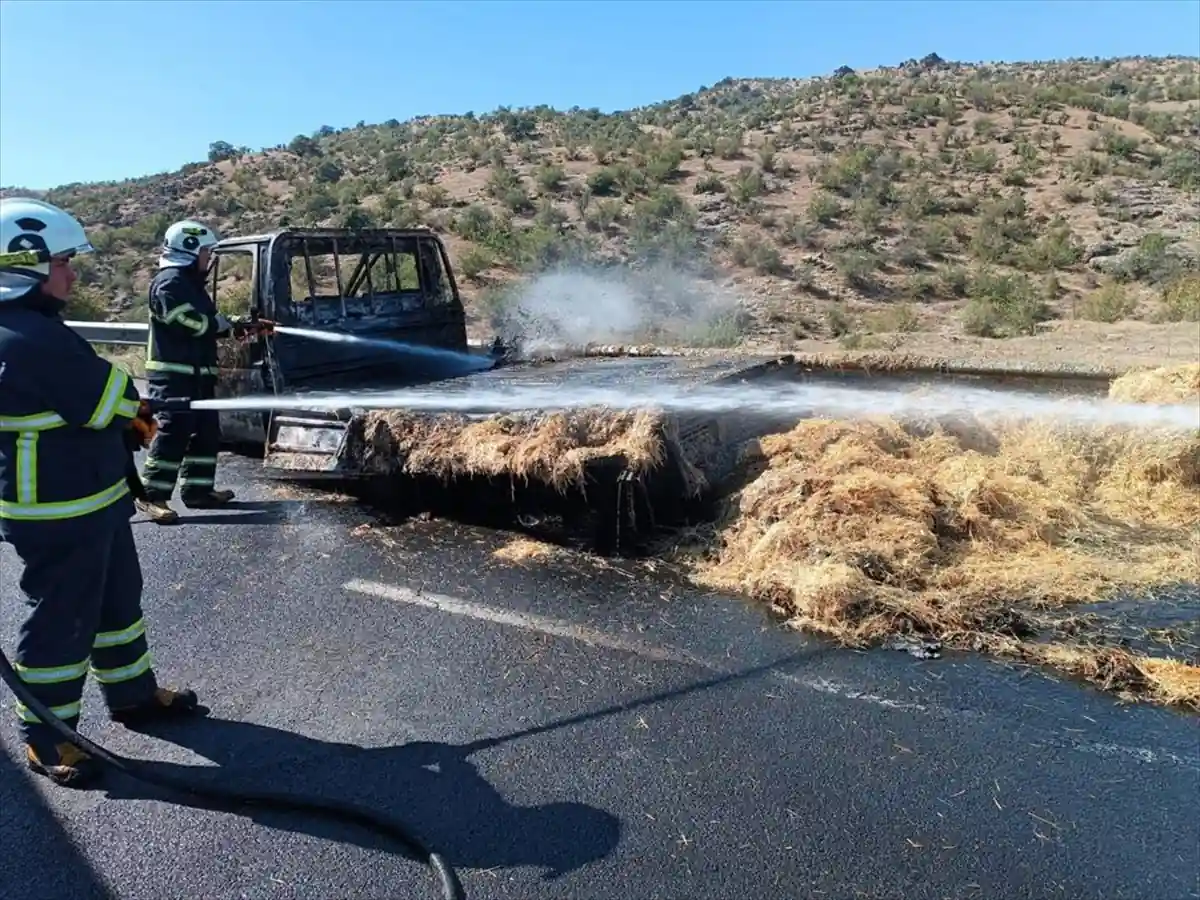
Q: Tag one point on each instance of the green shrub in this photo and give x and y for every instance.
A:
(474, 262)
(1181, 169)
(747, 184)
(1111, 303)
(603, 182)
(858, 267)
(550, 178)
(663, 164)
(900, 319)
(1181, 299)
(1152, 261)
(756, 253)
(1003, 306)
(824, 208)
(1057, 248)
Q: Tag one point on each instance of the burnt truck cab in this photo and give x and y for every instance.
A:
(390, 284)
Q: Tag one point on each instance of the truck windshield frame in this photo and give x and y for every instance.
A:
(367, 269)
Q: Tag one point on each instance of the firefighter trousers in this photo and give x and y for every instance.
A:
(86, 599)
(186, 445)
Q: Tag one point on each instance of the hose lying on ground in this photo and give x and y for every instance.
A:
(451, 888)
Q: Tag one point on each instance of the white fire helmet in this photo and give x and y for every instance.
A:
(183, 243)
(32, 232)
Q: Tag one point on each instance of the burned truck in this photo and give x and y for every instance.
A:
(619, 471)
(389, 284)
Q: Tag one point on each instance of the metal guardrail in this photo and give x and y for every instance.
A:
(131, 333)
(135, 333)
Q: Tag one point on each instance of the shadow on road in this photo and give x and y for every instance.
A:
(250, 512)
(748, 674)
(40, 861)
(433, 786)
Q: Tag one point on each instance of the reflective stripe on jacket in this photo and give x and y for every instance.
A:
(63, 413)
(184, 325)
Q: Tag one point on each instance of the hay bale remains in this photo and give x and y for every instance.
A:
(901, 362)
(861, 530)
(554, 449)
(1175, 385)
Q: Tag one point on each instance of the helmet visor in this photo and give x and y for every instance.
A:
(71, 252)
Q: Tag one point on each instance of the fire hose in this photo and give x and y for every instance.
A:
(232, 798)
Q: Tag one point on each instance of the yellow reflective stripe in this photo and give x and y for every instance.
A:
(200, 460)
(66, 711)
(198, 323)
(51, 675)
(118, 638)
(27, 467)
(200, 326)
(66, 509)
(42, 421)
(155, 365)
(178, 312)
(128, 408)
(114, 392)
(124, 673)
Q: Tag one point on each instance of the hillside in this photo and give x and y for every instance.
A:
(919, 206)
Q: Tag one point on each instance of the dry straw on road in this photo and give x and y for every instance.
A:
(863, 529)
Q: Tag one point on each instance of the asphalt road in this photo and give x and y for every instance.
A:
(582, 731)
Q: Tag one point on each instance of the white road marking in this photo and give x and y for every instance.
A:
(1141, 754)
(525, 621)
(837, 689)
(594, 637)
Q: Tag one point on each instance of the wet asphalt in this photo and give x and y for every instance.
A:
(579, 730)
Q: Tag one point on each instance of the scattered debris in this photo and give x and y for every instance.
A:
(915, 647)
(523, 550)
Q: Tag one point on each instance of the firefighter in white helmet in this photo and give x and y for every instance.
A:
(181, 363)
(65, 417)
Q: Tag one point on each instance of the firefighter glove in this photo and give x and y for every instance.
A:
(245, 327)
(143, 426)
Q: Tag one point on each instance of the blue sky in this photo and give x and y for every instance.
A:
(120, 88)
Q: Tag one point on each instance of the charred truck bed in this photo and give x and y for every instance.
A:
(605, 478)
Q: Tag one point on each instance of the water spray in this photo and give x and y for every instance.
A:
(466, 362)
(782, 401)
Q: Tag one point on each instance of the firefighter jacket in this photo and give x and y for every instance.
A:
(64, 411)
(184, 325)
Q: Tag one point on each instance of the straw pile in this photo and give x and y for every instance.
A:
(549, 448)
(860, 530)
(1176, 385)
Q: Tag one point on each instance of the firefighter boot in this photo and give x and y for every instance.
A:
(158, 511)
(208, 500)
(163, 705)
(64, 764)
